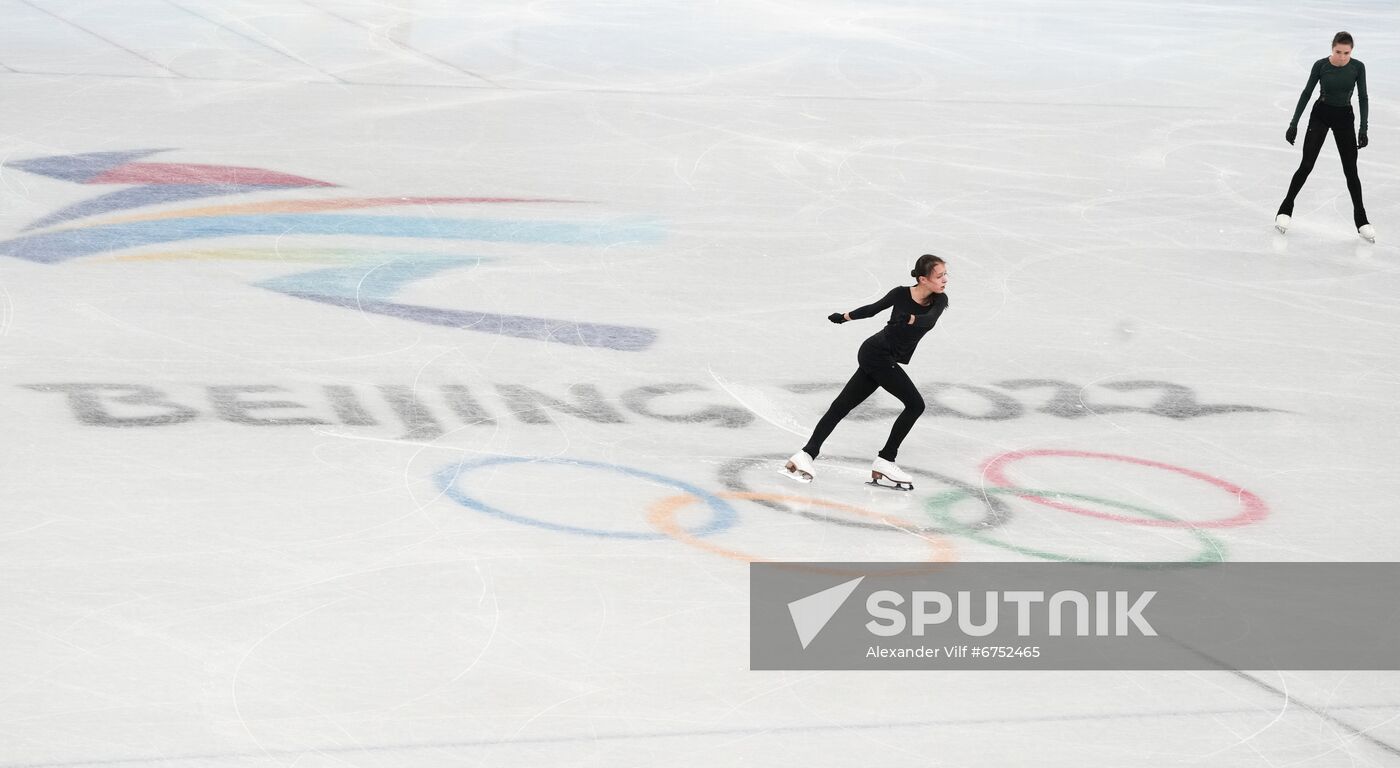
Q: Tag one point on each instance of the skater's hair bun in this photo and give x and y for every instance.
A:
(1342, 38)
(924, 266)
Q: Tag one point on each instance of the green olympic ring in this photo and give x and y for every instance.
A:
(940, 506)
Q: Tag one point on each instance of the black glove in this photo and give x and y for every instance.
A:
(900, 319)
(1292, 133)
(1361, 140)
(836, 317)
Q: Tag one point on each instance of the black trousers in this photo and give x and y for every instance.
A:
(1340, 120)
(877, 370)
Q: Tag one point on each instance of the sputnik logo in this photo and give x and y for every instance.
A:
(365, 279)
(811, 614)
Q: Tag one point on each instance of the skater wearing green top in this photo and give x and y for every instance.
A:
(1339, 75)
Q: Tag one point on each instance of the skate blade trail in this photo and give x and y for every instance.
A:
(759, 404)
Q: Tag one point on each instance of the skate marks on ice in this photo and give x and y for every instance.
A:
(761, 404)
(1065, 524)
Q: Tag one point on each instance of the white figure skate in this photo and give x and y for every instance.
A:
(800, 467)
(1282, 221)
(891, 474)
(1367, 232)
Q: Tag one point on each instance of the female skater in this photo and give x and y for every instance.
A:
(915, 309)
(1339, 74)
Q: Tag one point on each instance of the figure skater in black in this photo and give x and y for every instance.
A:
(914, 310)
(1339, 75)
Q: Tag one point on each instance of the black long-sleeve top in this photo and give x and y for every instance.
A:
(899, 335)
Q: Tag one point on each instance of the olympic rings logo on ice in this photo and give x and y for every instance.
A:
(944, 508)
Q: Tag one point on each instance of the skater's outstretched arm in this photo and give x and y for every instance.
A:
(870, 310)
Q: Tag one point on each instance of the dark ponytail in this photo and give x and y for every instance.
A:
(924, 266)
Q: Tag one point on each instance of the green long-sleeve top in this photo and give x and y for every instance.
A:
(1337, 85)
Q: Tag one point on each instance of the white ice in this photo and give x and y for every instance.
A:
(186, 581)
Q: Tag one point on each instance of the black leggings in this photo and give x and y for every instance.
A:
(1339, 119)
(877, 369)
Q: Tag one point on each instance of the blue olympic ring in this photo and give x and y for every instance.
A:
(723, 517)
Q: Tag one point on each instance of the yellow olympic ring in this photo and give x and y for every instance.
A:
(662, 516)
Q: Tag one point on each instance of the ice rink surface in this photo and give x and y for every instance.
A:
(366, 363)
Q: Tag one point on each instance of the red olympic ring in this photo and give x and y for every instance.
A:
(1253, 508)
